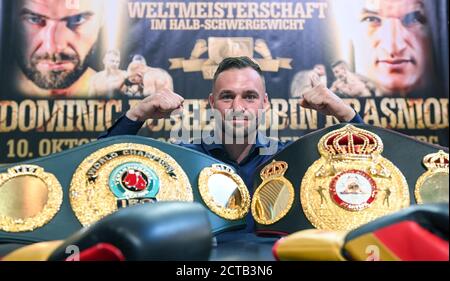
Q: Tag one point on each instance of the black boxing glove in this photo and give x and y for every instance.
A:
(159, 231)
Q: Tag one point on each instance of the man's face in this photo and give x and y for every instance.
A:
(319, 69)
(112, 61)
(136, 71)
(394, 49)
(57, 40)
(340, 72)
(135, 78)
(239, 95)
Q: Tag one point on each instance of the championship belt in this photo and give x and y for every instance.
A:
(432, 186)
(30, 198)
(274, 196)
(338, 178)
(125, 174)
(52, 197)
(351, 184)
(224, 192)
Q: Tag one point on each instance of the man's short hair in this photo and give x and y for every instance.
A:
(237, 63)
(339, 62)
(139, 58)
(113, 52)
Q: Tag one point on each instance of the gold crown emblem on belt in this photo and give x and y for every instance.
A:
(437, 160)
(276, 169)
(350, 143)
(352, 183)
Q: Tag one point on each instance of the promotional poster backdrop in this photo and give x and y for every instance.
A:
(70, 68)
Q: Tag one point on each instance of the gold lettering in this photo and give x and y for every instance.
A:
(70, 118)
(330, 121)
(45, 147)
(371, 113)
(419, 113)
(432, 121)
(405, 112)
(44, 116)
(59, 112)
(85, 117)
(100, 113)
(27, 109)
(111, 106)
(444, 106)
(8, 111)
(294, 122)
(385, 106)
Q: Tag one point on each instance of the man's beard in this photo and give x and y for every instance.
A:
(55, 79)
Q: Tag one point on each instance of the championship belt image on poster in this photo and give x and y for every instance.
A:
(351, 184)
(125, 174)
(219, 48)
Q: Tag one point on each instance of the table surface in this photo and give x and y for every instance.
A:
(243, 247)
(230, 247)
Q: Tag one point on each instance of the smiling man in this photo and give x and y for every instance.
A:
(392, 44)
(57, 39)
(238, 98)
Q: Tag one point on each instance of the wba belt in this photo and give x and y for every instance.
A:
(52, 197)
(344, 176)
